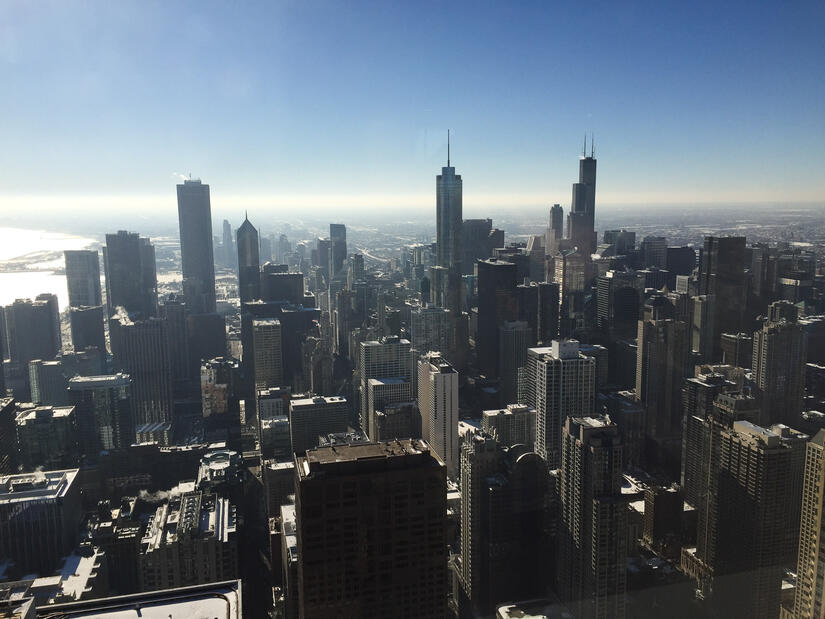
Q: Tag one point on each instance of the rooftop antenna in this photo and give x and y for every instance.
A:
(448, 148)
(584, 148)
(592, 146)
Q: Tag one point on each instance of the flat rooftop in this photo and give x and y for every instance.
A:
(212, 600)
(96, 382)
(318, 400)
(35, 486)
(44, 412)
(321, 457)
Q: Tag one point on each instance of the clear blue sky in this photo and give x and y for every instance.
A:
(313, 103)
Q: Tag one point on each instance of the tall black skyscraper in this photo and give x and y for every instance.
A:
(131, 275)
(83, 277)
(497, 303)
(249, 267)
(338, 248)
(722, 274)
(87, 327)
(197, 259)
(141, 349)
(580, 221)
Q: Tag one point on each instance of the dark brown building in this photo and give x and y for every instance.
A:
(371, 523)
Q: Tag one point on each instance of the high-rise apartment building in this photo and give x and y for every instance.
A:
(752, 498)
(662, 363)
(503, 524)
(249, 264)
(388, 357)
(559, 382)
(809, 599)
(354, 559)
(438, 404)
(429, 329)
(513, 425)
(778, 363)
(196, 253)
(131, 274)
(267, 350)
(591, 571)
(83, 277)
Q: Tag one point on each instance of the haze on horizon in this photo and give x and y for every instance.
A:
(344, 108)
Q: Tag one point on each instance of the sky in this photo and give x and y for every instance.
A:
(311, 105)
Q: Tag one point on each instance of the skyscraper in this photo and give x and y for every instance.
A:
(338, 248)
(386, 358)
(592, 552)
(555, 230)
(31, 330)
(514, 339)
(267, 347)
(662, 363)
(752, 497)
(103, 407)
(438, 403)
(779, 366)
(87, 327)
(141, 349)
(580, 221)
(228, 246)
(722, 274)
(503, 523)
(197, 259)
(497, 303)
(249, 268)
(354, 560)
(83, 277)
(809, 601)
(131, 274)
(448, 187)
(559, 382)
(429, 328)
(317, 416)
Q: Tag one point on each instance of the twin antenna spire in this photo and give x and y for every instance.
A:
(448, 148)
(592, 146)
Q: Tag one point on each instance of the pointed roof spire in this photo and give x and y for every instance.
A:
(448, 148)
(246, 215)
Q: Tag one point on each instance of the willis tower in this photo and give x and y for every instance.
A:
(580, 221)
